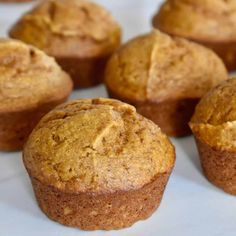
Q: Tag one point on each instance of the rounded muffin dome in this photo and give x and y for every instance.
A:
(98, 145)
(214, 127)
(213, 20)
(156, 67)
(164, 77)
(28, 77)
(214, 120)
(211, 23)
(69, 28)
(79, 34)
(218, 106)
(31, 84)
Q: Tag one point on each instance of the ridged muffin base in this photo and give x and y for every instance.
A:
(100, 211)
(219, 166)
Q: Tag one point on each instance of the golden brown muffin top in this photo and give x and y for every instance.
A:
(28, 77)
(207, 20)
(69, 28)
(156, 67)
(214, 120)
(99, 145)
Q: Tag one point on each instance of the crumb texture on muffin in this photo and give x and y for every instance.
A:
(69, 28)
(214, 120)
(157, 67)
(97, 146)
(28, 77)
(213, 20)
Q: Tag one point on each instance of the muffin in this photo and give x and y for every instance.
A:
(97, 164)
(81, 35)
(208, 22)
(214, 127)
(164, 78)
(31, 84)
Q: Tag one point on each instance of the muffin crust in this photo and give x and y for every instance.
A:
(31, 84)
(101, 149)
(215, 116)
(28, 76)
(85, 33)
(214, 127)
(106, 211)
(155, 68)
(214, 27)
(202, 21)
(99, 136)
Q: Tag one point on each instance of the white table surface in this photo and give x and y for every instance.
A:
(191, 205)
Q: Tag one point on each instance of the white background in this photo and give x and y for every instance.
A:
(191, 205)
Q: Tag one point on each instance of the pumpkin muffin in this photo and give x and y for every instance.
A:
(208, 22)
(97, 164)
(164, 78)
(31, 84)
(214, 127)
(81, 35)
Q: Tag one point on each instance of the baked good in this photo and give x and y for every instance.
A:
(31, 84)
(214, 127)
(208, 22)
(97, 164)
(81, 35)
(164, 78)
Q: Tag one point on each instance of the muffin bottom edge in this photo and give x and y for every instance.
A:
(103, 211)
(218, 166)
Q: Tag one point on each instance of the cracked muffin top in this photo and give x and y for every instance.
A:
(28, 77)
(99, 145)
(69, 28)
(209, 20)
(156, 67)
(214, 120)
